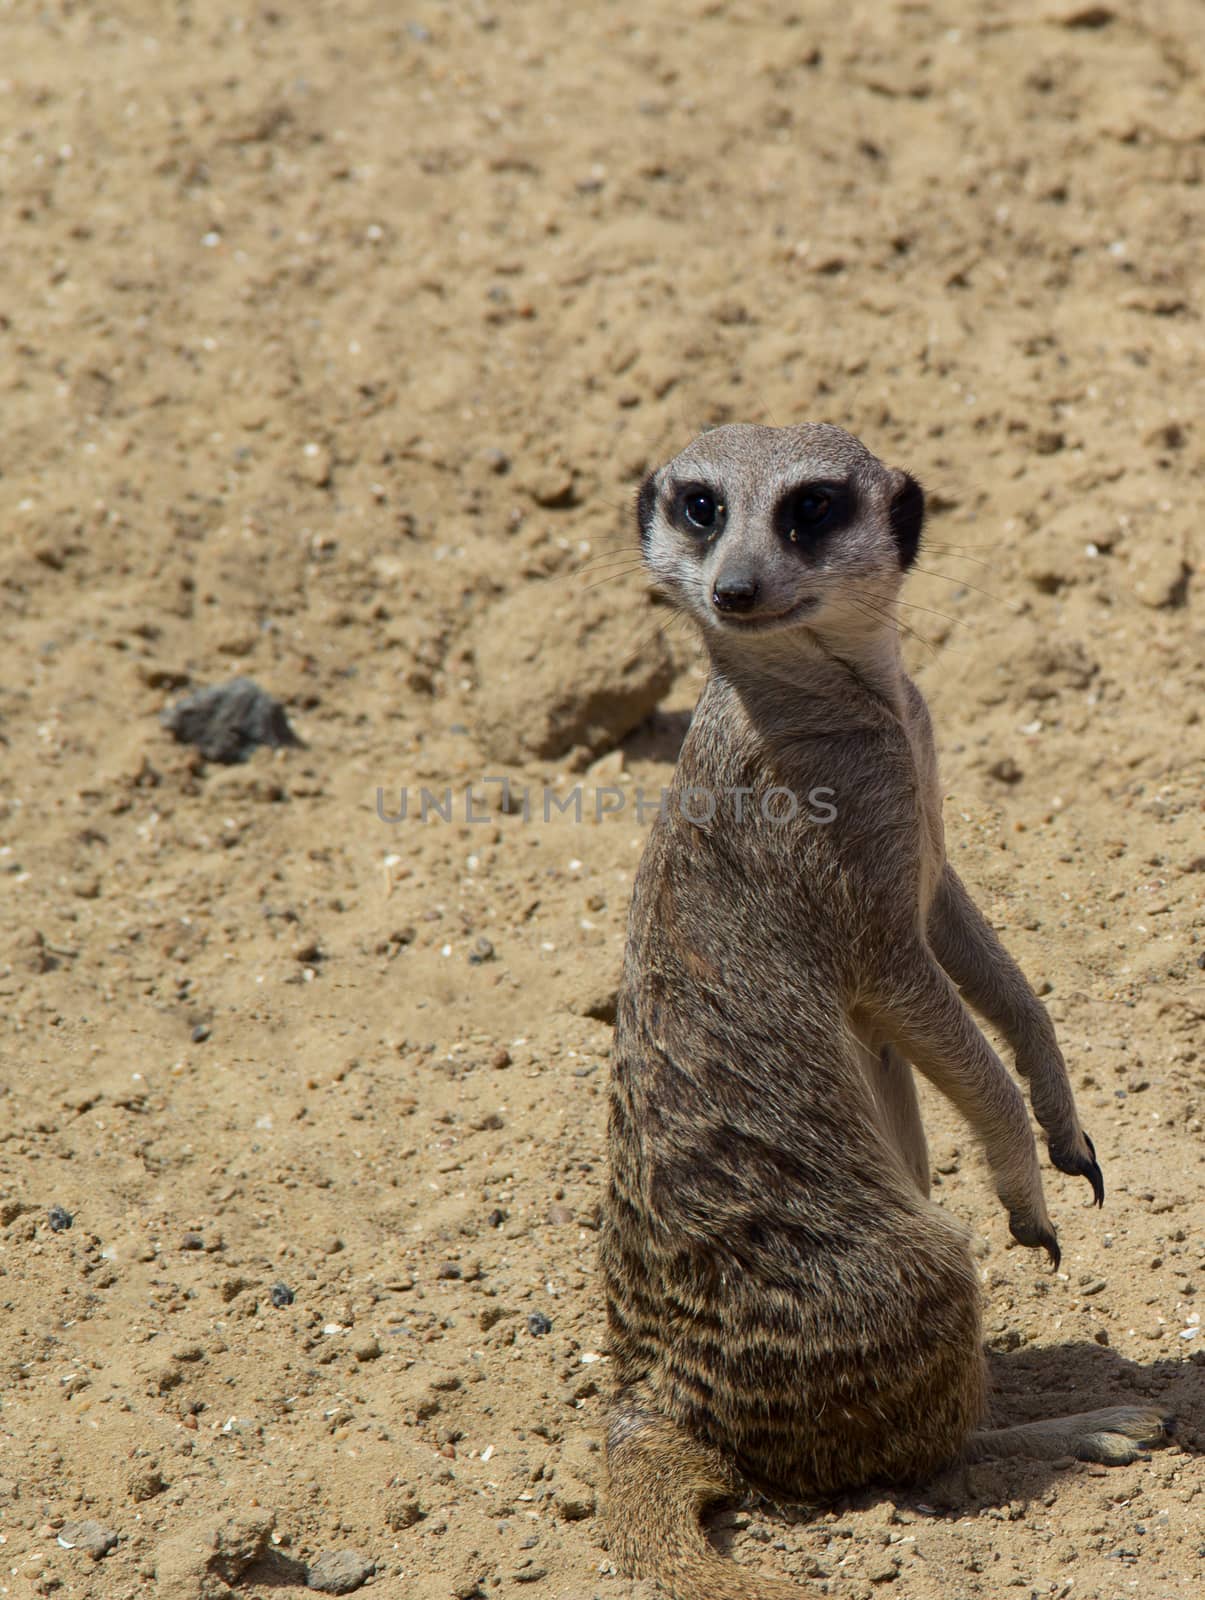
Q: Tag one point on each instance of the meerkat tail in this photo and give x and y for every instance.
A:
(659, 1481)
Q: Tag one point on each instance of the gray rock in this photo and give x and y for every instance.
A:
(339, 1571)
(227, 722)
(89, 1537)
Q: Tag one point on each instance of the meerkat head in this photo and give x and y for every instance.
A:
(755, 531)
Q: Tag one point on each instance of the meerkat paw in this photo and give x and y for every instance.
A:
(1079, 1161)
(1114, 1437)
(1123, 1434)
(1034, 1233)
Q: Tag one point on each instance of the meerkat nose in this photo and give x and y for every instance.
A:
(735, 592)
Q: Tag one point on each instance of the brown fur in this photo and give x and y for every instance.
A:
(787, 1309)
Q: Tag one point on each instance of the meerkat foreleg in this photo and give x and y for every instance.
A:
(967, 947)
(918, 1010)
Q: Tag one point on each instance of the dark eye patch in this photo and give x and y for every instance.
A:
(812, 511)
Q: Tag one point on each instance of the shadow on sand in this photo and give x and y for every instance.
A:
(659, 737)
(1025, 1386)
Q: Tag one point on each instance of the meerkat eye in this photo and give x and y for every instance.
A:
(701, 510)
(811, 507)
(808, 512)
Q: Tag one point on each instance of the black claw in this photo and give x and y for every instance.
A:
(1094, 1175)
(1078, 1166)
(1033, 1236)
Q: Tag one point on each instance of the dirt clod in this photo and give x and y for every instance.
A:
(610, 671)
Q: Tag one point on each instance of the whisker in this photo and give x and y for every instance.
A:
(611, 577)
(632, 548)
(608, 564)
(959, 552)
(863, 603)
(959, 622)
(964, 583)
(617, 547)
(589, 572)
(656, 632)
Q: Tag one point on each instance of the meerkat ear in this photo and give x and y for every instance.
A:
(907, 518)
(646, 504)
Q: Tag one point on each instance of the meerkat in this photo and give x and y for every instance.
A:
(787, 1309)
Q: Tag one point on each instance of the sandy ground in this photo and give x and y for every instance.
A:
(333, 341)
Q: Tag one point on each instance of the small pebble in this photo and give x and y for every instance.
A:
(192, 1241)
(538, 1323)
(500, 1059)
(200, 1033)
(1006, 771)
(482, 951)
(282, 1295)
(339, 1571)
(90, 1537)
(884, 1569)
(448, 1269)
(59, 1219)
(317, 465)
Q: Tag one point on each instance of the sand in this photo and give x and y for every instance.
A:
(334, 340)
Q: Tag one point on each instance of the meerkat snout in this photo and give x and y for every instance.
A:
(820, 530)
(735, 590)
